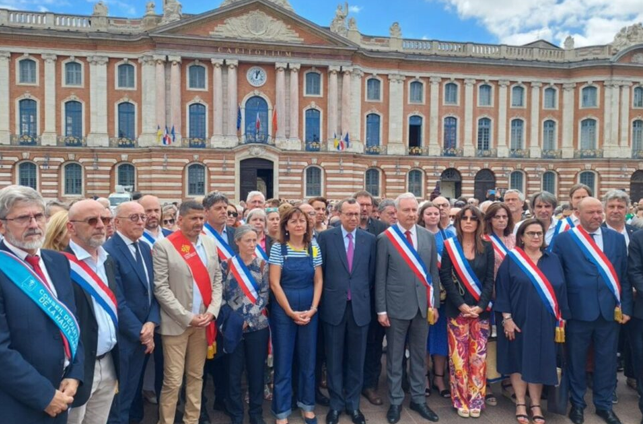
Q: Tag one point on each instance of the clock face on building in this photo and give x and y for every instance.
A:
(256, 76)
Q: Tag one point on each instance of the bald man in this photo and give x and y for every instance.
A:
(153, 230)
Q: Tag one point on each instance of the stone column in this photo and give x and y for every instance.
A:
(98, 136)
(626, 148)
(49, 133)
(148, 102)
(396, 144)
(534, 138)
(469, 149)
(232, 139)
(176, 105)
(356, 111)
(434, 118)
(217, 102)
(161, 118)
(616, 109)
(332, 104)
(607, 117)
(294, 102)
(346, 101)
(568, 120)
(5, 128)
(503, 150)
(280, 104)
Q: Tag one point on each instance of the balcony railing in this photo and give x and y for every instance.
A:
(637, 154)
(258, 138)
(71, 141)
(123, 142)
(588, 153)
(417, 151)
(195, 143)
(552, 154)
(518, 153)
(317, 146)
(25, 140)
(375, 150)
(487, 153)
(452, 152)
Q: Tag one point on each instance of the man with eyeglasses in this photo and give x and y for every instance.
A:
(153, 229)
(42, 362)
(442, 203)
(138, 310)
(96, 294)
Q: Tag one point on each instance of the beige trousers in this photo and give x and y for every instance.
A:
(96, 410)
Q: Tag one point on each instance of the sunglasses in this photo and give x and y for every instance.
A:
(93, 221)
(168, 222)
(233, 214)
(470, 218)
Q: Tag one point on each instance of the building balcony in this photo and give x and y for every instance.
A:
(315, 146)
(552, 154)
(71, 141)
(194, 143)
(25, 140)
(375, 150)
(518, 153)
(487, 153)
(417, 151)
(452, 152)
(123, 142)
(258, 139)
(588, 153)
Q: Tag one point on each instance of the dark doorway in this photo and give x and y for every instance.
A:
(451, 183)
(636, 187)
(256, 174)
(485, 180)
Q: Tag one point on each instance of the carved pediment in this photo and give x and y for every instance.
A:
(256, 25)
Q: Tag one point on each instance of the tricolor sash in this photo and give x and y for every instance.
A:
(260, 253)
(497, 243)
(38, 291)
(561, 226)
(543, 287)
(147, 237)
(244, 278)
(201, 277)
(90, 282)
(463, 269)
(223, 248)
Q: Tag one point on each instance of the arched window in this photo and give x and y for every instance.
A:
(73, 179)
(256, 120)
(28, 117)
(550, 98)
(74, 119)
(638, 97)
(451, 94)
(126, 175)
(373, 89)
(517, 181)
(313, 84)
(313, 181)
(589, 179)
(589, 97)
(196, 77)
(73, 73)
(549, 135)
(313, 125)
(125, 76)
(126, 121)
(450, 132)
(415, 131)
(28, 175)
(517, 134)
(196, 180)
(549, 182)
(637, 135)
(416, 88)
(27, 69)
(518, 96)
(588, 134)
(415, 183)
(484, 95)
(372, 130)
(197, 120)
(372, 180)
(484, 134)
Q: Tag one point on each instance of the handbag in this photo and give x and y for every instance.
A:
(558, 396)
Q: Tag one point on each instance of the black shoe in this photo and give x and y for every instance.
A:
(576, 415)
(204, 418)
(257, 420)
(320, 399)
(608, 416)
(424, 411)
(333, 416)
(219, 406)
(393, 414)
(356, 416)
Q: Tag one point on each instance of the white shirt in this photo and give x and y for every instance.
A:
(197, 300)
(624, 232)
(345, 237)
(598, 237)
(132, 250)
(106, 329)
(414, 234)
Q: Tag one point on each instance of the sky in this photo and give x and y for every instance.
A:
(516, 22)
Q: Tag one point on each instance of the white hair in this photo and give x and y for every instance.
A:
(253, 194)
(402, 197)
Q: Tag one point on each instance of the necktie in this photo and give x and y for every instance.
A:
(139, 258)
(34, 261)
(349, 256)
(409, 238)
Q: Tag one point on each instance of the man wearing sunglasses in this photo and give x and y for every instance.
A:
(95, 292)
(153, 229)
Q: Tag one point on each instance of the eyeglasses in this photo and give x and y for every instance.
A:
(168, 222)
(233, 214)
(470, 218)
(134, 218)
(441, 205)
(351, 215)
(312, 213)
(93, 221)
(26, 219)
(534, 234)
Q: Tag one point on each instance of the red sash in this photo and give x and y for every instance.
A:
(202, 278)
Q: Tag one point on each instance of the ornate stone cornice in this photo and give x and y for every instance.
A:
(98, 60)
(256, 25)
(49, 58)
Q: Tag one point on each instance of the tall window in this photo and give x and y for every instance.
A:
(126, 175)
(28, 117)
(126, 121)
(450, 132)
(415, 182)
(373, 181)
(126, 75)
(517, 181)
(28, 175)
(313, 182)
(484, 134)
(451, 94)
(484, 95)
(416, 88)
(313, 125)
(638, 97)
(197, 77)
(549, 182)
(518, 96)
(550, 98)
(517, 134)
(549, 135)
(196, 180)
(589, 97)
(74, 119)
(73, 179)
(373, 89)
(256, 120)
(415, 131)
(73, 73)
(27, 68)
(637, 135)
(589, 179)
(313, 84)
(588, 134)
(197, 121)
(372, 130)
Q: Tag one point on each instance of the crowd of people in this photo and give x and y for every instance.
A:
(100, 306)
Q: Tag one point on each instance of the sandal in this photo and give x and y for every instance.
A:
(427, 389)
(537, 419)
(521, 418)
(446, 393)
(490, 399)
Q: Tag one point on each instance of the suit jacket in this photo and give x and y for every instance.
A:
(635, 271)
(166, 232)
(398, 291)
(231, 243)
(31, 348)
(135, 289)
(89, 331)
(338, 280)
(376, 227)
(587, 294)
(631, 229)
(173, 283)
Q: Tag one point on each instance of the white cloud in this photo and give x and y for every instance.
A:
(355, 9)
(590, 22)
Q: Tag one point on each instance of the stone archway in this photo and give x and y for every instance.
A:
(451, 183)
(636, 187)
(485, 180)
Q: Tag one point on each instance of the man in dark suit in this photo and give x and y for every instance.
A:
(348, 265)
(635, 326)
(138, 310)
(593, 306)
(87, 224)
(39, 376)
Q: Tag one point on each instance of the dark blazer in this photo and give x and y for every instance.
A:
(89, 330)
(166, 232)
(31, 348)
(337, 278)
(635, 271)
(231, 243)
(631, 229)
(376, 227)
(269, 242)
(135, 289)
(587, 294)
